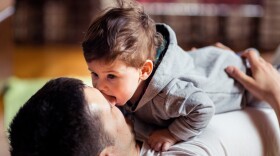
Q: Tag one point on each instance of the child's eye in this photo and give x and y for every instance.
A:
(93, 74)
(111, 76)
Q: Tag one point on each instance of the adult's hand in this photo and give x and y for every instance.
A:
(222, 46)
(264, 83)
(217, 44)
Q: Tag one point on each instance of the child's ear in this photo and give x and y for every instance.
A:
(146, 70)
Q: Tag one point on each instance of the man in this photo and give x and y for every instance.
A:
(67, 118)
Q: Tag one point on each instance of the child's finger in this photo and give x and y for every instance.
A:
(166, 146)
(157, 147)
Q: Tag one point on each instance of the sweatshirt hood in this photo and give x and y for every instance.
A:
(162, 75)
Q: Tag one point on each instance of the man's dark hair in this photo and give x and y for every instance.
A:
(56, 121)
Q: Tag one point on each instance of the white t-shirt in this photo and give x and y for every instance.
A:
(206, 144)
(248, 132)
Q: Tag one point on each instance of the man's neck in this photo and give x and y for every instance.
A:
(134, 150)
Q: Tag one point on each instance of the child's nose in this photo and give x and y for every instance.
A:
(101, 86)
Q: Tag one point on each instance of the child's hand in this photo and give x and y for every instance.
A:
(161, 140)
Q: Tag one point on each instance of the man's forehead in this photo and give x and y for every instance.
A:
(93, 96)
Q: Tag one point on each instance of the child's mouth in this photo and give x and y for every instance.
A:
(111, 99)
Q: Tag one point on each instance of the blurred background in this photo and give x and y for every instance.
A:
(42, 38)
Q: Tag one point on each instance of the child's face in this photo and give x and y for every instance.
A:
(117, 81)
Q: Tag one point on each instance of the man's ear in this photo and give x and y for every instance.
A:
(146, 69)
(107, 151)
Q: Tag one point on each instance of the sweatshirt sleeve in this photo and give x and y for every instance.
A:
(191, 108)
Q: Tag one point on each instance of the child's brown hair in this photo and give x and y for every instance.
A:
(125, 33)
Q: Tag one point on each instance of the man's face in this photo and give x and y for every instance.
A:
(113, 120)
(116, 80)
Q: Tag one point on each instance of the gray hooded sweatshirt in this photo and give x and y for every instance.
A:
(187, 88)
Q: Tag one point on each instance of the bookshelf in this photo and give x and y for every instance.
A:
(52, 21)
(203, 23)
(237, 23)
(270, 25)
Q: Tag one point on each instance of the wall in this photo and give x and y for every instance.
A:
(6, 41)
(6, 49)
